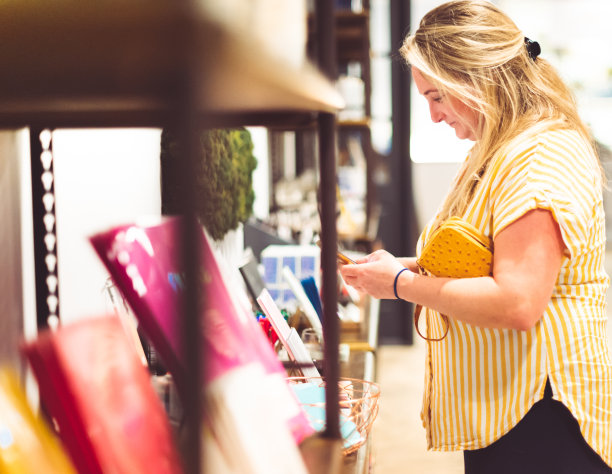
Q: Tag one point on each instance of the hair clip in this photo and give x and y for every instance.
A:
(533, 48)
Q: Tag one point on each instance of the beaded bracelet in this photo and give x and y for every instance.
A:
(395, 282)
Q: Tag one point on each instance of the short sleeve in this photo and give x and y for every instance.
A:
(554, 173)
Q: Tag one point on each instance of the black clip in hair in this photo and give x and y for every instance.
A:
(533, 48)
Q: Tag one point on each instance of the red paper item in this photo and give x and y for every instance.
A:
(100, 395)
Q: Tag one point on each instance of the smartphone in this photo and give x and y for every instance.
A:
(343, 259)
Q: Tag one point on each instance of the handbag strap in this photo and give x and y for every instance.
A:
(417, 313)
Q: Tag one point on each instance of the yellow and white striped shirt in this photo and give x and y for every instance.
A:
(480, 382)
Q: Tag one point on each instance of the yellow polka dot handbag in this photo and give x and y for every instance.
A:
(455, 250)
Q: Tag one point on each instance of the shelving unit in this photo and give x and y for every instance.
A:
(138, 63)
(353, 47)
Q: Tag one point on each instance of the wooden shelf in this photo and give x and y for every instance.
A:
(82, 64)
(363, 123)
(352, 35)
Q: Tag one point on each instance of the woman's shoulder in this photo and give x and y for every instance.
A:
(564, 140)
(561, 137)
(561, 147)
(559, 155)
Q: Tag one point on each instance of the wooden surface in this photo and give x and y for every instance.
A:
(321, 455)
(88, 63)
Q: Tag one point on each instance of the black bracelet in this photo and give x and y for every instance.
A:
(395, 282)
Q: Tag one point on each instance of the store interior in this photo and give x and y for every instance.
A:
(276, 124)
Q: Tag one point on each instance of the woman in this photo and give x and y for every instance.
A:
(522, 382)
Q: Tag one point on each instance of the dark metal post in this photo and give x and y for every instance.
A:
(398, 226)
(190, 259)
(331, 325)
(326, 45)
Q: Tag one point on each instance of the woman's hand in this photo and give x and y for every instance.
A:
(373, 274)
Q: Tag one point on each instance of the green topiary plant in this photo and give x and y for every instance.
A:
(224, 185)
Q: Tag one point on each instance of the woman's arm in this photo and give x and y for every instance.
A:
(526, 263)
(407, 262)
(410, 263)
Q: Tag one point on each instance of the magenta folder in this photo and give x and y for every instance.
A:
(143, 262)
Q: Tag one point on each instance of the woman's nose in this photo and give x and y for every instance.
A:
(436, 114)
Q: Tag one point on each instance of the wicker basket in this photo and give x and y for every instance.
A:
(358, 400)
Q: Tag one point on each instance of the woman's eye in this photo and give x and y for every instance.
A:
(438, 99)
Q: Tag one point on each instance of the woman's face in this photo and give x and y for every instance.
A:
(446, 108)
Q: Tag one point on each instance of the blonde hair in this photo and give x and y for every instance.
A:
(474, 52)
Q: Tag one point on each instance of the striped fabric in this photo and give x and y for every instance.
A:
(480, 382)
